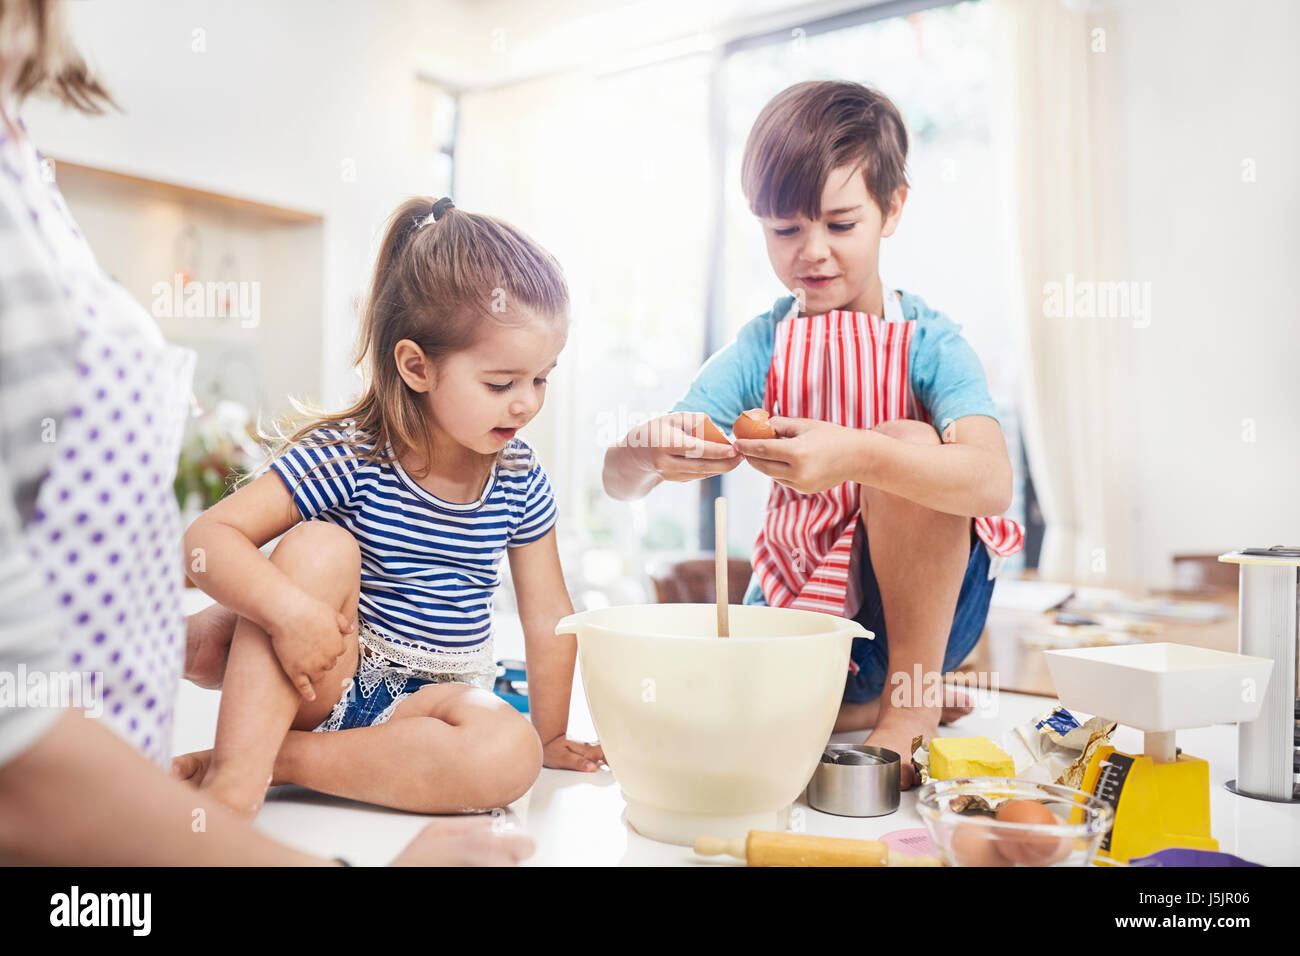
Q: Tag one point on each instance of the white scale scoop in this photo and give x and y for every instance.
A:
(1160, 688)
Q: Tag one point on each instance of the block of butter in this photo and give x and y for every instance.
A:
(968, 757)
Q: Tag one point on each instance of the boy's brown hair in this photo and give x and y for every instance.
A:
(811, 128)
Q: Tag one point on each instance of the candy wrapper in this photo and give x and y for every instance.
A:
(1056, 748)
(920, 760)
(971, 805)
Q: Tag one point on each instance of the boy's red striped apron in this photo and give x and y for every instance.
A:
(849, 368)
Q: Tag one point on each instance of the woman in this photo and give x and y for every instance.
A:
(92, 408)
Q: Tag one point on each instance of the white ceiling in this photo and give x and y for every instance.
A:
(484, 43)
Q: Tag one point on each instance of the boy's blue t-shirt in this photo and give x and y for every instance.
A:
(945, 373)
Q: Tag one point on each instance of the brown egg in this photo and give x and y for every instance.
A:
(1027, 848)
(976, 845)
(707, 431)
(753, 424)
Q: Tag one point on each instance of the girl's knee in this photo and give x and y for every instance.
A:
(322, 546)
(509, 758)
(503, 752)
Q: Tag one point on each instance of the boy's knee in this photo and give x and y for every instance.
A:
(322, 546)
(909, 430)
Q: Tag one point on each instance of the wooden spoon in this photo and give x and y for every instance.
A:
(720, 564)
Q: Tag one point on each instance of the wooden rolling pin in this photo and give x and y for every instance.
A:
(762, 848)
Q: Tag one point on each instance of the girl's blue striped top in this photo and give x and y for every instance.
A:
(428, 567)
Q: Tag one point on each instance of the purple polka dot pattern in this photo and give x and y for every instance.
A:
(120, 595)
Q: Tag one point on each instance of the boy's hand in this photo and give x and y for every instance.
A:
(308, 639)
(807, 456)
(565, 754)
(668, 447)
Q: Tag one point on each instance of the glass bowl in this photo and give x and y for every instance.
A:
(1079, 823)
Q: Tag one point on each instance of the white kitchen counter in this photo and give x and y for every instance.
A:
(577, 819)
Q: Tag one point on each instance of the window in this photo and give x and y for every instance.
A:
(638, 199)
(436, 125)
(936, 66)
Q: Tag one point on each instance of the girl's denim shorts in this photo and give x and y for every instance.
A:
(379, 685)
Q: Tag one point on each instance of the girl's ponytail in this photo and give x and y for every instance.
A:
(401, 227)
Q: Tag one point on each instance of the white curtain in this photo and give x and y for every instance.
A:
(1078, 370)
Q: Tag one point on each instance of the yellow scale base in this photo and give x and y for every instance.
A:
(1157, 805)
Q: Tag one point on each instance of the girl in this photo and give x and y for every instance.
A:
(361, 663)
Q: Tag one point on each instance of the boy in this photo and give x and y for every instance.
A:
(872, 514)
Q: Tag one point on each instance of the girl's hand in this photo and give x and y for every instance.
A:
(468, 841)
(668, 447)
(565, 754)
(807, 456)
(308, 640)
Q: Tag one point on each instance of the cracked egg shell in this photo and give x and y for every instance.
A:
(753, 424)
(707, 431)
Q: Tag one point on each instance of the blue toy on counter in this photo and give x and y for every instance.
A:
(512, 684)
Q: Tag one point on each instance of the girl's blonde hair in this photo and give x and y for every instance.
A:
(438, 283)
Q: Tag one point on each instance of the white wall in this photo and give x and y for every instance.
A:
(284, 95)
(1201, 87)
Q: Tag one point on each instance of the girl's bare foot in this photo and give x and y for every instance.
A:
(243, 800)
(207, 644)
(956, 704)
(192, 767)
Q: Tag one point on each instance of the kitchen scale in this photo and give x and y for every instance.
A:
(1161, 797)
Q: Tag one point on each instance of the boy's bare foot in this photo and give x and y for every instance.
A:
(207, 644)
(192, 767)
(956, 705)
(897, 731)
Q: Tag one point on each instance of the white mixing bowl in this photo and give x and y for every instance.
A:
(710, 735)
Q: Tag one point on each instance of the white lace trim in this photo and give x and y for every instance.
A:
(335, 720)
(383, 662)
(374, 669)
(430, 665)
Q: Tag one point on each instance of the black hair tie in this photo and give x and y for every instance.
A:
(440, 207)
